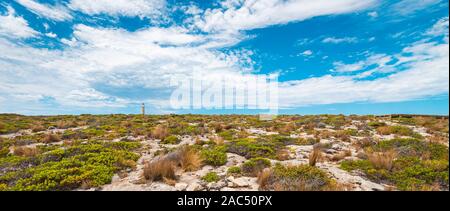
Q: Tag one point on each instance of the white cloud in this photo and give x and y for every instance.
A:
(141, 8)
(99, 63)
(57, 13)
(423, 77)
(373, 14)
(440, 28)
(113, 58)
(51, 35)
(236, 15)
(380, 60)
(307, 53)
(335, 40)
(13, 26)
(341, 67)
(407, 7)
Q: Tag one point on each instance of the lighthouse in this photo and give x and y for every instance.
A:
(143, 109)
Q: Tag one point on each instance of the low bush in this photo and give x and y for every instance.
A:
(216, 156)
(398, 130)
(211, 177)
(80, 166)
(234, 170)
(295, 178)
(409, 164)
(251, 148)
(253, 166)
(376, 124)
(171, 140)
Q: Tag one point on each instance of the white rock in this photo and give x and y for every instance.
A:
(194, 187)
(241, 181)
(181, 186)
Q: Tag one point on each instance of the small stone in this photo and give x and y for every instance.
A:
(194, 187)
(181, 186)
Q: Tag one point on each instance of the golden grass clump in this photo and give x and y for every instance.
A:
(26, 151)
(263, 177)
(64, 124)
(283, 154)
(160, 132)
(189, 158)
(50, 138)
(37, 127)
(218, 140)
(341, 155)
(382, 160)
(315, 155)
(160, 170)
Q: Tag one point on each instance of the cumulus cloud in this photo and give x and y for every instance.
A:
(119, 60)
(13, 26)
(101, 67)
(440, 28)
(236, 15)
(57, 12)
(422, 78)
(141, 8)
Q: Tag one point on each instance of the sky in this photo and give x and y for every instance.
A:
(335, 57)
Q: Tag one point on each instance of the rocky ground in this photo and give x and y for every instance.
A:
(338, 144)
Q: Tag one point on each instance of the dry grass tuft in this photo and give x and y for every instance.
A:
(218, 140)
(315, 155)
(63, 124)
(341, 155)
(160, 132)
(159, 170)
(50, 138)
(283, 154)
(37, 127)
(382, 160)
(26, 151)
(263, 177)
(190, 159)
(170, 182)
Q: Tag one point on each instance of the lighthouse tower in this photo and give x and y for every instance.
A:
(143, 109)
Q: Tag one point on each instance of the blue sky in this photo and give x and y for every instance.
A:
(342, 56)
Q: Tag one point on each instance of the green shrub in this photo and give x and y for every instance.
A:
(251, 148)
(420, 166)
(350, 132)
(376, 124)
(86, 165)
(398, 130)
(171, 140)
(253, 166)
(215, 156)
(211, 177)
(307, 141)
(3, 152)
(234, 170)
(226, 135)
(415, 147)
(296, 178)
